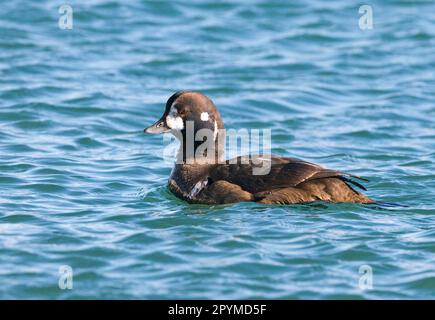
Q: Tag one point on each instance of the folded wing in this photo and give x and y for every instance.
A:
(284, 172)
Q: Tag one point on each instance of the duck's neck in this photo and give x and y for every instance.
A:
(203, 144)
(201, 152)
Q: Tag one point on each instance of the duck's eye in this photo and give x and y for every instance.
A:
(159, 124)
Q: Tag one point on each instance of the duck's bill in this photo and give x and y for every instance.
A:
(158, 127)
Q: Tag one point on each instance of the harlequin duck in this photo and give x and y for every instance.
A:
(209, 179)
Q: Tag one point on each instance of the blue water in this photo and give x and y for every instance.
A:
(82, 186)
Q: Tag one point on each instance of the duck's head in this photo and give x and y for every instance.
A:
(193, 119)
(185, 107)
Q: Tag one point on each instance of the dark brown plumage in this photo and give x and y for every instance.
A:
(289, 180)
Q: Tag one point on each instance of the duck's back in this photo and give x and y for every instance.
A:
(287, 181)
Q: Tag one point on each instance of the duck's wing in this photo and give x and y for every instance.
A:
(284, 172)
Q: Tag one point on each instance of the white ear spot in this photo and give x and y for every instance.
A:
(204, 116)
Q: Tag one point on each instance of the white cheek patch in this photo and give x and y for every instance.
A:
(173, 120)
(175, 123)
(204, 116)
